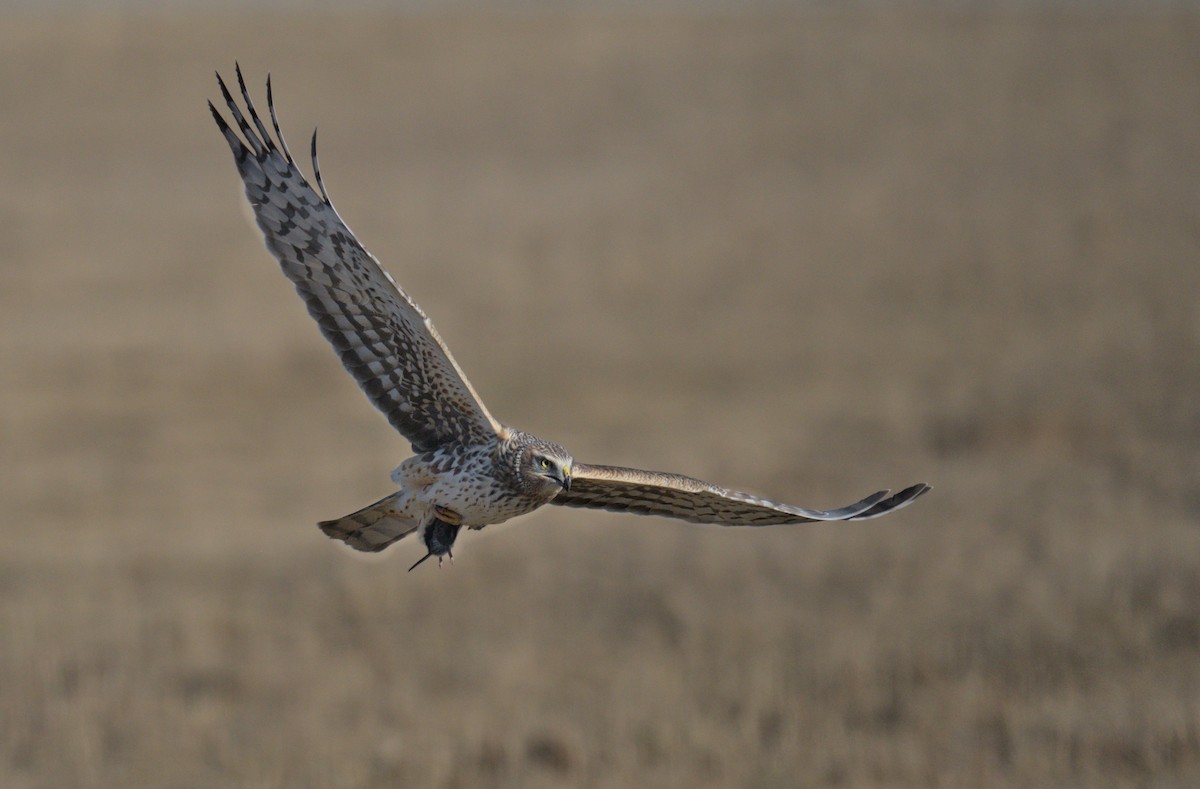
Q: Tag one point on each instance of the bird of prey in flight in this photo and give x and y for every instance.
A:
(468, 469)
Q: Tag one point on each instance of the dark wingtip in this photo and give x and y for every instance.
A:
(217, 117)
(257, 146)
(250, 108)
(240, 151)
(224, 88)
(895, 502)
(275, 121)
(873, 499)
(915, 491)
(317, 169)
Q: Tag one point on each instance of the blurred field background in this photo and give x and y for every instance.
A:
(810, 254)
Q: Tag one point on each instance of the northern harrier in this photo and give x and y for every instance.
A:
(468, 470)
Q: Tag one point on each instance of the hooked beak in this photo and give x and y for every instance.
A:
(565, 479)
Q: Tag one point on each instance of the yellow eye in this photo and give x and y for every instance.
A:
(543, 463)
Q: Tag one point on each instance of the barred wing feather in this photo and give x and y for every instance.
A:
(382, 336)
(620, 489)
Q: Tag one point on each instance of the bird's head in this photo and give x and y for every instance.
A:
(546, 467)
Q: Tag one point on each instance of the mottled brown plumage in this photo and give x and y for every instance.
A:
(468, 470)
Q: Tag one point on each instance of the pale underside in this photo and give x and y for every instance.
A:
(457, 482)
(463, 473)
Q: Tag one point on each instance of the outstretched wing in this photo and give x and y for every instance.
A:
(382, 336)
(675, 496)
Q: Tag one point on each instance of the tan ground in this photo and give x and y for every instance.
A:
(809, 255)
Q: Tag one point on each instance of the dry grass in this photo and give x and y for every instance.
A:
(804, 254)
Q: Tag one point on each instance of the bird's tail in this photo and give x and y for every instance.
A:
(374, 527)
